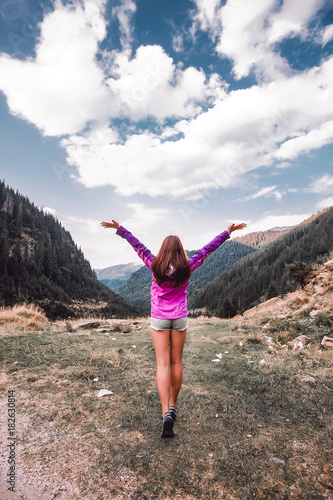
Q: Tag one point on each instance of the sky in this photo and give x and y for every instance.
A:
(175, 117)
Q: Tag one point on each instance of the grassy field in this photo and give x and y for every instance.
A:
(248, 426)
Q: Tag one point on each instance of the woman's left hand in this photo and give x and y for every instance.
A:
(110, 225)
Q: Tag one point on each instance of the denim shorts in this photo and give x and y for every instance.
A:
(177, 325)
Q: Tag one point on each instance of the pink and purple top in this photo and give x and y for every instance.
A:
(168, 301)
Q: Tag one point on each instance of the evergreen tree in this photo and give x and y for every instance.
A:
(228, 310)
(299, 272)
(272, 291)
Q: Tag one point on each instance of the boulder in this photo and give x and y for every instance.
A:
(299, 342)
(87, 324)
(327, 342)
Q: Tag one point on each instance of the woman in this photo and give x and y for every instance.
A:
(171, 273)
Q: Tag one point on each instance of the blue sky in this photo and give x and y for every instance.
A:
(170, 117)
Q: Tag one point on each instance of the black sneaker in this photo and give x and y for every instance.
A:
(168, 421)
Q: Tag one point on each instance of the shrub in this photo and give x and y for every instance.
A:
(323, 319)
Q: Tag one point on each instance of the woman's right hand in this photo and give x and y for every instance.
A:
(236, 227)
(110, 225)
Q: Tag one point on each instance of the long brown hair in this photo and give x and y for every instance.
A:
(171, 262)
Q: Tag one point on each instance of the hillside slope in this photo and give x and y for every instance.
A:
(266, 273)
(315, 300)
(41, 264)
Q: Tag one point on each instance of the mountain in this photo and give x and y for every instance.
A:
(265, 274)
(260, 239)
(115, 276)
(137, 289)
(41, 264)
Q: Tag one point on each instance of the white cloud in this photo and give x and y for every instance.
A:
(178, 43)
(149, 84)
(247, 32)
(327, 34)
(323, 185)
(303, 144)
(270, 221)
(65, 87)
(242, 131)
(87, 225)
(207, 16)
(267, 192)
(124, 12)
(144, 216)
(49, 210)
(326, 203)
(292, 20)
(216, 137)
(62, 88)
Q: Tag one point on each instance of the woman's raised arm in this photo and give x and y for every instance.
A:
(143, 252)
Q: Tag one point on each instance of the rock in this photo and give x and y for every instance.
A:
(262, 362)
(327, 342)
(119, 322)
(87, 324)
(104, 392)
(105, 329)
(308, 379)
(278, 461)
(299, 342)
(314, 313)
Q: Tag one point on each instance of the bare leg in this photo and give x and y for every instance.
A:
(162, 351)
(176, 368)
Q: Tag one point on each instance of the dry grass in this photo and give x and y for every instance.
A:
(246, 428)
(27, 317)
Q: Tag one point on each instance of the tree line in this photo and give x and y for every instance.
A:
(40, 263)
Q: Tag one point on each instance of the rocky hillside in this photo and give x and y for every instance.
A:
(315, 300)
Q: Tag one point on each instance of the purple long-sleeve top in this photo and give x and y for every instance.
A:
(167, 300)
